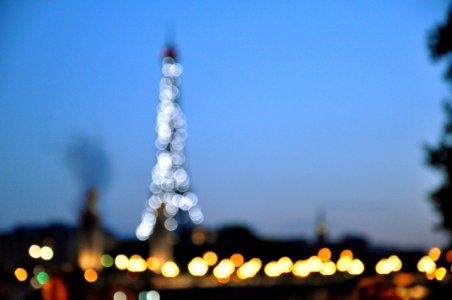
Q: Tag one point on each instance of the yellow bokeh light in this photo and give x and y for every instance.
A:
(224, 269)
(388, 265)
(315, 264)
(198, 267)
(21, 274)
(328, 268)
(210, 257)
(426, 264)
(90, 275)
(34, 251)
(272, 269)
(153, 263)
(343, 263)
(256, 261)
(324, 254)
(46, 253)
(248, 269)
(285, 264)
(301, 268)
(136, 264)
(382, 267)
(237, 259)
(170, 269)
(121, 262)
(440, 273)
(356, 267)
(395, 262)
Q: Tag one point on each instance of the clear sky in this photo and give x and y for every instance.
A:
(292, 107)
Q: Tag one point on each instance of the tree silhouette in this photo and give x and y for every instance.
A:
(439, 157)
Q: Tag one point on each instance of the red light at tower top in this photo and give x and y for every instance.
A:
(169, 52)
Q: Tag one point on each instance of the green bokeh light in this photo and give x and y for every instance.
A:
(106, 260)
(42, 277)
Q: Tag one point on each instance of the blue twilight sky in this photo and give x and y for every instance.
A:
(292, 107)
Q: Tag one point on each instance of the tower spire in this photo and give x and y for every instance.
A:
(171, 200)
(169, 50)
(321, 227)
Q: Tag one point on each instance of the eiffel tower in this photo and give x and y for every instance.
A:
(171, 202)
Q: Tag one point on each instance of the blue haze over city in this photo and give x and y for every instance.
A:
(293, 108)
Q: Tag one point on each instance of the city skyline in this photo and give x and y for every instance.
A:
(295, 109)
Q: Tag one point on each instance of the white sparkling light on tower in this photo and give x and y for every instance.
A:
(170, 184)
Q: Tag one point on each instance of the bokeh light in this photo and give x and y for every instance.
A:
(34, 283)
(90, 275)
(426, 264)
(343, 263)
(34, 251)
(356, 267)
(153, 264)
(121, 262)
(119, 295)
(210, 257)
(387, 265)
(170, 269)
(21, 274)
(440, 273)
(272, 269)
(449, 256)
(136, 264)
(198, 267)
(249, 269)
(285, 264)
(434, 253)
(152, 295)
(198, 237)
(301, 268)
(237, 259)
(346, 253)
(315, 264)
(107, 260)
(328, 268)
(324, 254)
(224, 269)
(42, 277)
(46, 253)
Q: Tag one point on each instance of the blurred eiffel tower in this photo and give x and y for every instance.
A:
(171, 203)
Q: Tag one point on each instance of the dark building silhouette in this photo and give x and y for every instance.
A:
(90, 235)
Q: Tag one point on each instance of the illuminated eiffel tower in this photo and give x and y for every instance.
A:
(171, 202)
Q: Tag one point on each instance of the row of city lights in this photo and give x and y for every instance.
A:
(225, 268)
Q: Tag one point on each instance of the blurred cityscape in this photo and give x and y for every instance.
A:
(58, 261)
(174, 256)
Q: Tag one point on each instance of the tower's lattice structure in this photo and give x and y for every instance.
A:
(171, 201)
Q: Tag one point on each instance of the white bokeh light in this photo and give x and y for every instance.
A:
(170, 181)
